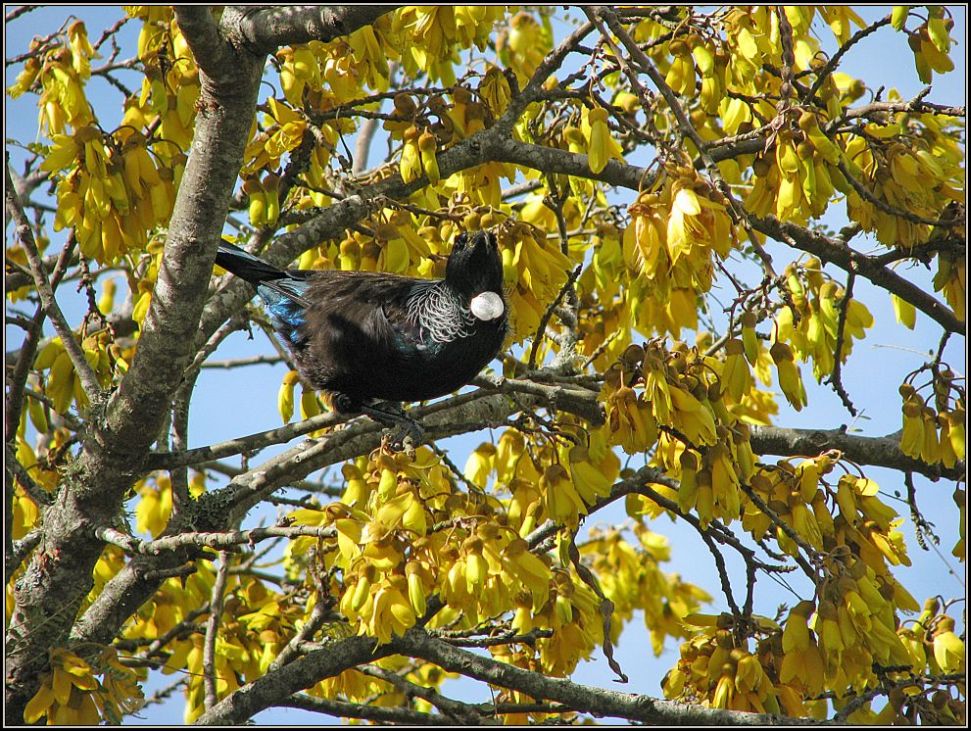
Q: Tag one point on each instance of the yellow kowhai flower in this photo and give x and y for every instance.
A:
(370, 55)
(631, 421)
(65, 695)
(681, 74)
(735, 373)
(951, 279)
(952, 436)
(696, 219)
(912, 434)
(801, 659)
(392, 613)
(427, 147)
(563, 503)
(285, 399)
(81, 49)
(410, 156)
(601, 146)
(298, 68)
(523, 45)
(480, 464)
(494, 90)
(789, 378)
(692, 416)
(948, 647)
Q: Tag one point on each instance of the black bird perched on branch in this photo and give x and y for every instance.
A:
(368, 337)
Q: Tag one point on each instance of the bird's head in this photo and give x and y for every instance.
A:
(474, 268)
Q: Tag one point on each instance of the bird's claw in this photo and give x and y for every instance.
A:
(405, 437)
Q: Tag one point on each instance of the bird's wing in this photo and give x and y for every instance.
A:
(364, 309)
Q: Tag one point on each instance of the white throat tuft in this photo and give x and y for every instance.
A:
(487, 306)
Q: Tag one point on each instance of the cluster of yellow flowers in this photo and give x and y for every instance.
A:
(40, 465)
(62, 385)
(935, 434)
(812, 328)
(524, 43)
(798, 181)
(534, 270)
(685, 409)
(675, 230)
(114, 188)
(394, 553)
(717, 669)
(171, 86)
(809, 162)
(574, 477)
(893, 163)
(62, 69)
(254, 626)
(404, 534)
(836, 642)
(73, 694)
(155, 506)
(110, 190)
(434, 32)
(930, 41)
(631, 578)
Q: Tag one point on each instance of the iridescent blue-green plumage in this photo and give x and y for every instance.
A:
(368, 336)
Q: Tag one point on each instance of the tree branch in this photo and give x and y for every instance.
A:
(835, 251)
(364, 712)
(303, 672)
(212, 54)
(876, 451)
(585, 699)
(60, 573)
(264, 30)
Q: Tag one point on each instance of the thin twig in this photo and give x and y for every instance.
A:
(17, 12)
(25, 357)
(922, 527)
(835, 378)
(544, 321)
(89, 381)
(212, 630)
(458, 711)
(318, 617)
(833, 62)
(223, 541)
(18, 551)
(22, 473)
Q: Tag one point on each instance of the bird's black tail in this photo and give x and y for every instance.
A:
(245, 265)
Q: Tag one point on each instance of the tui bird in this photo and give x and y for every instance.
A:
(367, 337)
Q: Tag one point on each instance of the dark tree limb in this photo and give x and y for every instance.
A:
(833, 250)
(303, 672)
(377, 714)
(875, 451)
(585, 699)
(265, 29)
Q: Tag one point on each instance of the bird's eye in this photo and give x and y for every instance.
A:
(460, 241)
